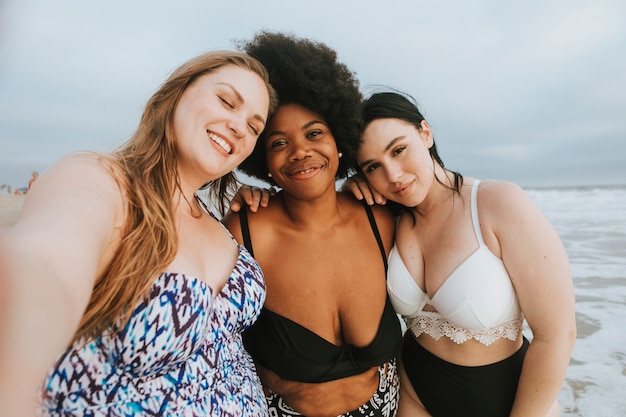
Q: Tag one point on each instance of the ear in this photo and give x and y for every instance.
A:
(426, 134)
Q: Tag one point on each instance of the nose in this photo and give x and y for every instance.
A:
(393, 172)
(237, 125)
(300, 149)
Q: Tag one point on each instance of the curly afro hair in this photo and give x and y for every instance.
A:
(306, 72)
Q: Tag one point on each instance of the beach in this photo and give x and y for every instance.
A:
(591, 222)
(10, 205)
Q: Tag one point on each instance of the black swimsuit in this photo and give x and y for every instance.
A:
(295, 353)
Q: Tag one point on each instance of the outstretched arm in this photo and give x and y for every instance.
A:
(49, 260)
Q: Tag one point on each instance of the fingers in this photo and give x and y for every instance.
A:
(370, 194)
(353, 186)
(362, 190)
(265, 196)
(235, 206)
(244, 196)
(379, 198)
(253, 197)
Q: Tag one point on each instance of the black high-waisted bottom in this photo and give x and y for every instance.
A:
(383, 403)
(449, 390)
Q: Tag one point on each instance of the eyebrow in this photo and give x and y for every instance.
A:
(240, 98)
(306, 126)
(389, 145)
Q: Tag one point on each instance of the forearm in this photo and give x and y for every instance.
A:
(543, 373)
(35, 326)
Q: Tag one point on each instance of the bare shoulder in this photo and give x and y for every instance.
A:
(382, 214)
(90, 172)
(77, 188)
(502, 195)
(504, 206)
(264, 216)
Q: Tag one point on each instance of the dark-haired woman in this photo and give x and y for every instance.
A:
(471, 260)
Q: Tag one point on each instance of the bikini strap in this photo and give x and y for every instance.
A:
(474, 209)
(245, 229)
(247, 242)
(372, 220)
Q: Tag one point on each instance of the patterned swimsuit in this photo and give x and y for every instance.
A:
(181, 354)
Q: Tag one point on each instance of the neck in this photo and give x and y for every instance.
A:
(185, 203)
(315, 214)
(439, 194)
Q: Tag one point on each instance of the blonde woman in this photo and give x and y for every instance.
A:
(118, 282)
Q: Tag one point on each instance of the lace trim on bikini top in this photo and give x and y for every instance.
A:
(477, 301)
(435, 325)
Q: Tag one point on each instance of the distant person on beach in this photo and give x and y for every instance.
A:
(24, 190)
(121, 293)
(33, 179)
(472, 259)
(326, 341)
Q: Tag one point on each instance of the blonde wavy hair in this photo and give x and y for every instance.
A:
(146, 170)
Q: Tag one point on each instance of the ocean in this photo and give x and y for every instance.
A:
(591, 222)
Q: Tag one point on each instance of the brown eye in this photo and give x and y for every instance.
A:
(399, 150)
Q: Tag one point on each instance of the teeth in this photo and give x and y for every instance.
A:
(221, 142)
(305, 171)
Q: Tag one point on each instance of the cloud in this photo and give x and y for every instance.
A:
(504, 85)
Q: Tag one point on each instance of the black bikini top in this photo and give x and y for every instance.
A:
(295, 353)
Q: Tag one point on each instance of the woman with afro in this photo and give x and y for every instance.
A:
(326, 341)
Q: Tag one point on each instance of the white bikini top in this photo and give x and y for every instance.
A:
(477, 301)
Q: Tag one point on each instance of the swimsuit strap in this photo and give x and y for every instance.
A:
(474, 208)
(372, 220)
(245, 230)
(247, 241)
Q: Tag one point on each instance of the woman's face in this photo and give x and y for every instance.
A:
(217, 121)
(302, 155)
(394, 156)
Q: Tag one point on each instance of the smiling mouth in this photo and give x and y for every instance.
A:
(221, 143)
(303, 172)
(402, 188)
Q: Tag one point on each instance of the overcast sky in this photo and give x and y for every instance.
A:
(528, 91)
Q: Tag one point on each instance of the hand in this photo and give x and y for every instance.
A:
(362, 190)
(254, 197)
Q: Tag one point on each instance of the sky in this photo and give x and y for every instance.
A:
(530, 91)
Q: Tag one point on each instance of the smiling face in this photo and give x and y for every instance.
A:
(217, 121)
(301, 150)
(394, 156)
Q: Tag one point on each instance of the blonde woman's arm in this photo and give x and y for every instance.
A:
(539, 268)
(48, 262)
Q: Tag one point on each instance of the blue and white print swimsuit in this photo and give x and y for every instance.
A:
(181, 354)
